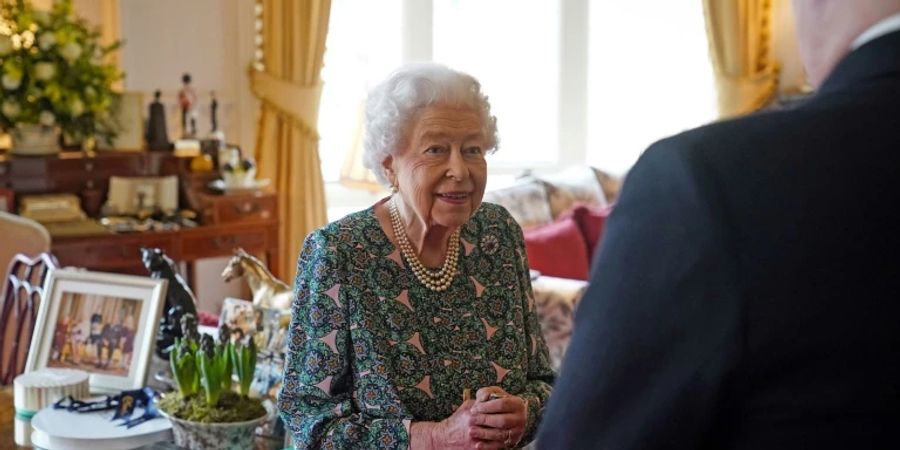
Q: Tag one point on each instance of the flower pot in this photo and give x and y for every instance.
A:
(215, 436)
(34, 140)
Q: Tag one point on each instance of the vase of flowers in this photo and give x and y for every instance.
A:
(54, 78)
(206, 412)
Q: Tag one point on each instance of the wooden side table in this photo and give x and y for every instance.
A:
(7, 415)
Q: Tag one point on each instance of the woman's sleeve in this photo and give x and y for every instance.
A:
(540, 373)
(316, 400)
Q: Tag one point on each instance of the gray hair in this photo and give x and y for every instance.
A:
(392, 106)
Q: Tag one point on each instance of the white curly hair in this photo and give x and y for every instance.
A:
(392, 105)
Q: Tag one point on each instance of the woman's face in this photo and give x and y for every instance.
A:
(441, 171)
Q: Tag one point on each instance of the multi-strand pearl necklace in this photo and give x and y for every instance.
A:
(437, 280)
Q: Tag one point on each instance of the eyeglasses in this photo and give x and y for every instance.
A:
(124, 404)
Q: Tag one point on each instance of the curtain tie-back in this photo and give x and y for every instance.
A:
(298, 102)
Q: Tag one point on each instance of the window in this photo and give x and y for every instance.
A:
(649, 77)
(363, 47)
(512, 48)
(570, 81)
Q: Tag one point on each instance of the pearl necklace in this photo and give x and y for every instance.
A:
(437, 280)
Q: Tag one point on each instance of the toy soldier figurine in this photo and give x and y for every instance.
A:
(157, 135)
(188, 100)
(213, 109)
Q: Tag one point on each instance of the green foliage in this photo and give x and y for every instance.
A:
(245, 364)
(228, 356)
(184, 367)
(232, 407)
(210, 366)
(53, 71)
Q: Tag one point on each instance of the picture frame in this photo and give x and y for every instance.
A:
(130, 195)
(269, 329)
(102, 323)
(128, 120)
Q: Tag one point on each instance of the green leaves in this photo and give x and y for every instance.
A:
(210, 366)
(245, 364)
(51, 61)
(184, 368)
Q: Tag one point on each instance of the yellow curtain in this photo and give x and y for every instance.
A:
(740, 39)
(287, 142)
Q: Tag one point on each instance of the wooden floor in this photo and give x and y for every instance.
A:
(7, 413)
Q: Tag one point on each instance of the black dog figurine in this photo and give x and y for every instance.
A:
(180, 301)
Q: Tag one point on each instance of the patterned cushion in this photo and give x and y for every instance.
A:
(526, 202)
(571, 186)
(555, 300)
(611, 184)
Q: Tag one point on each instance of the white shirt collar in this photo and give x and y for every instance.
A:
(883, 27)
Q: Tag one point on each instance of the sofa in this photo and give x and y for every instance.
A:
(562, 217)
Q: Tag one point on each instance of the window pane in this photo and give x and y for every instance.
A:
(363, 47)
(512, 47)
(649, 77)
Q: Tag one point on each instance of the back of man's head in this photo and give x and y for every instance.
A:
(826, 30)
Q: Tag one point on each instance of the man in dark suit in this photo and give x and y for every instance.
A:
(747, 290)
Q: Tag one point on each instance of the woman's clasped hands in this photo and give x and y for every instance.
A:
(494, 420)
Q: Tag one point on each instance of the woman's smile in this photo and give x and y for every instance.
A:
(454, 198)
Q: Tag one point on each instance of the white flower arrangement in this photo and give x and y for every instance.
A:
(53, 71)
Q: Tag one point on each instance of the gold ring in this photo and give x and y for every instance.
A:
(507, 442)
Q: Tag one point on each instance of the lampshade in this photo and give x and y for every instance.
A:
(353, 174)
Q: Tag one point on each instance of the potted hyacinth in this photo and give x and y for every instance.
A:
(54, 78)
(206, 412)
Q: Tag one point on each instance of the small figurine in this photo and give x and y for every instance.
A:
(268, 291)
(188, 100)
(213, 109)
(238, 172)
(157, 136)
(180, 310)
(215, 134)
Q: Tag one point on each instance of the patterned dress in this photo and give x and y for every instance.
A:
(372, 350)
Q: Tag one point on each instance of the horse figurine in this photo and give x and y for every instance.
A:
(180, 301)
(268, 291)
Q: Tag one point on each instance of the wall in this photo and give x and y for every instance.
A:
(213, 41)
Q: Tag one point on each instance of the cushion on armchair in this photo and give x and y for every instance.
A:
(573, 186)
(558, 250)
(526, 202)
(591, 221)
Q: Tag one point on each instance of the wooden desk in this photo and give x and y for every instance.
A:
(248, 220)
(121, 252)
(7, 413)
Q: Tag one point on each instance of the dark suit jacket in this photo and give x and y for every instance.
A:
(747, 290)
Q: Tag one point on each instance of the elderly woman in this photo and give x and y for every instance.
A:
(413, 323)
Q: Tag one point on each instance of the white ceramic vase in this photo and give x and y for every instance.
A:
(214, 436)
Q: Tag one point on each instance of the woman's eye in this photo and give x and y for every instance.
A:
(473, 151)
(434, 149)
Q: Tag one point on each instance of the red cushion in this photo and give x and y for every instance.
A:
(558, 249)
(208, 319)
(590, 220)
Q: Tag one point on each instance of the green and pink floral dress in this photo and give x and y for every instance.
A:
(371, 349)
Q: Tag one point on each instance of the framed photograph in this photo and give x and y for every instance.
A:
(102, 323)
(268, 326)
(130, 195)
(128, 119)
